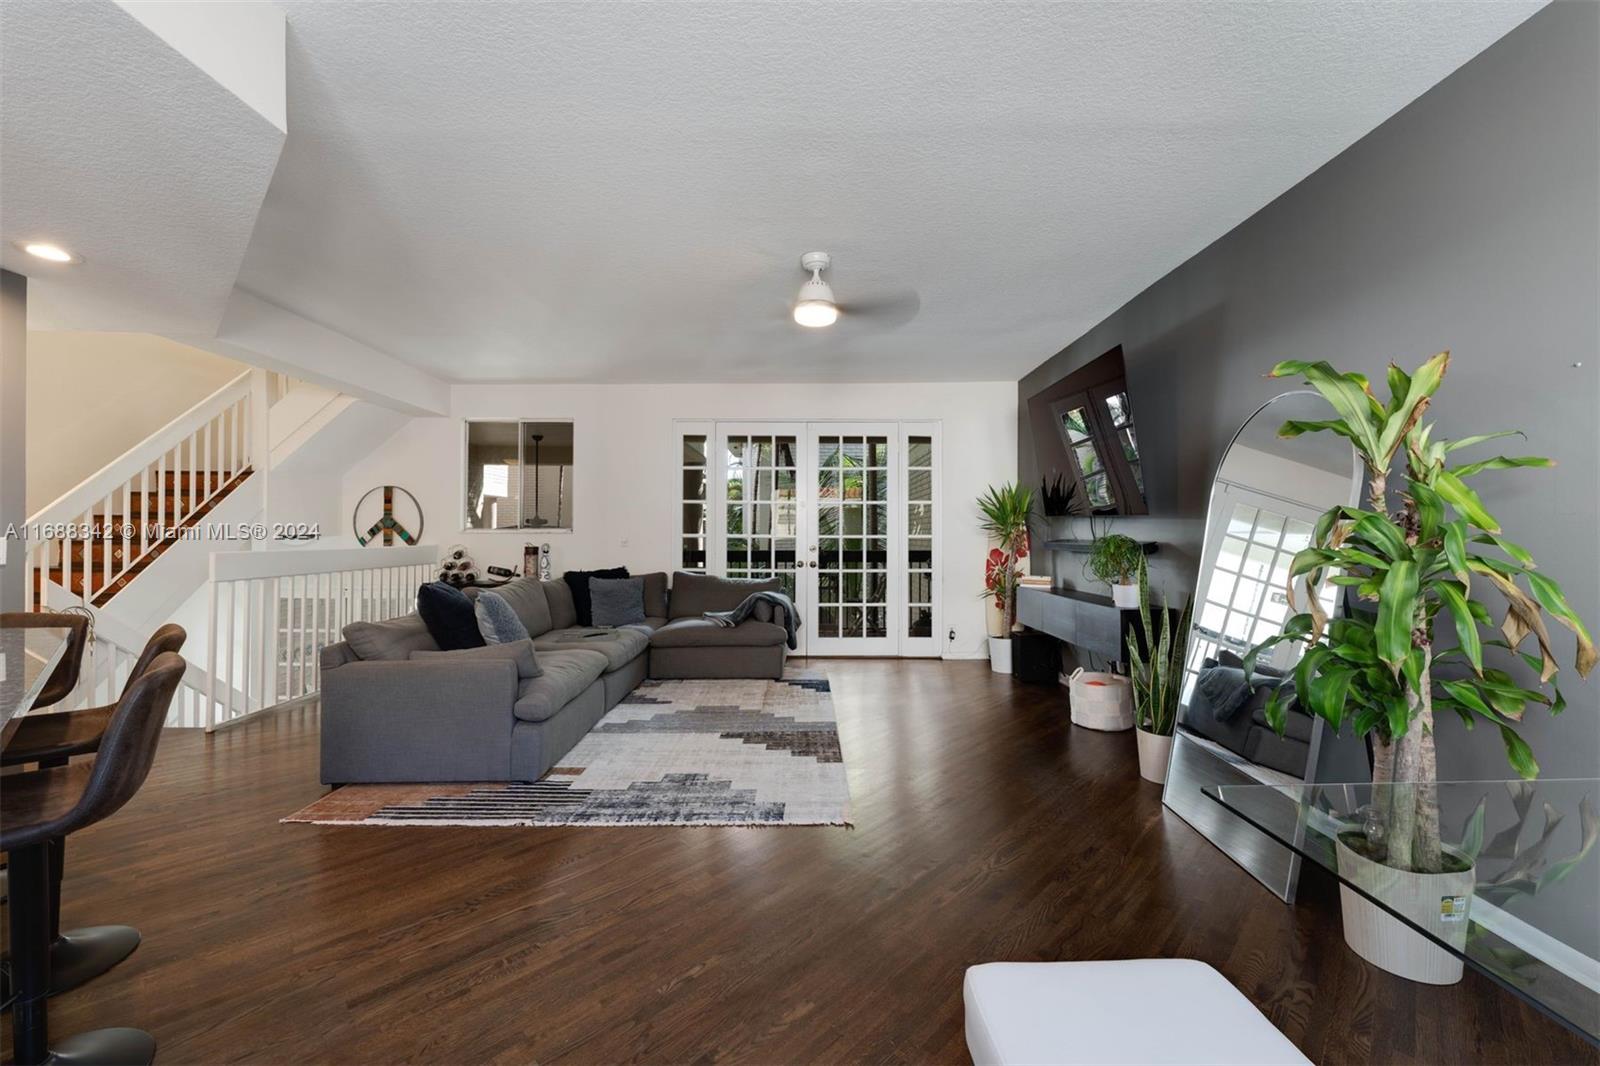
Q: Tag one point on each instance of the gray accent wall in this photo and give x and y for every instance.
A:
(1468, 221)
(13, 433)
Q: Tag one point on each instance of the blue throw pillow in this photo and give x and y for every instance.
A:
(497, 622)
(449, 616)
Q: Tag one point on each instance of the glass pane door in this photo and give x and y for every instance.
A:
(854, 590)
(758, 501)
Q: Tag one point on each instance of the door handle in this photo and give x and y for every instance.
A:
(813, 563)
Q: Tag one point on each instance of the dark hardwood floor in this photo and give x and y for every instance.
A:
(986, 828)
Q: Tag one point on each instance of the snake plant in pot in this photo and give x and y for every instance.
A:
(1418, 560)
(1155, 666)
(1005, 512)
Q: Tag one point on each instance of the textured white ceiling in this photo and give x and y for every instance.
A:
(621, 192)
(116, 146)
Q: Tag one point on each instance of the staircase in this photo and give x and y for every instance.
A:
(96, 566)
(87, 546)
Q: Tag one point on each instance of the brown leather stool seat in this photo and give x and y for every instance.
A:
(45, 805)
(50, 739)
(64, 678)
(54, 738)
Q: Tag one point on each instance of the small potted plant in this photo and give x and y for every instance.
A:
(1005, 513)
(1421, 566)
(1117, 560)
(1156, 670)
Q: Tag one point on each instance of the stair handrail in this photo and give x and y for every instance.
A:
(118, 471)
(213, 437)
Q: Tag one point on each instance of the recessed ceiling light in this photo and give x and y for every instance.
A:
(45, 250)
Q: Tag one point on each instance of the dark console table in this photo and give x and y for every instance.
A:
(1087, 621)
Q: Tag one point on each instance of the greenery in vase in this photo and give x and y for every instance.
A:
(1380, 672)
(1114, 559)
(1005, 513)
(1157, 671)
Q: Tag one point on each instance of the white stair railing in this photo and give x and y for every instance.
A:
(87, 543)
(272, 612)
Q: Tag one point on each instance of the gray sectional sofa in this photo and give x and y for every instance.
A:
(396, 708)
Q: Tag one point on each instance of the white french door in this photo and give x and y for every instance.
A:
(842, 512)
(851, 588)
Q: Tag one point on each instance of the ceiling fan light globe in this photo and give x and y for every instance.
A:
(814, 306)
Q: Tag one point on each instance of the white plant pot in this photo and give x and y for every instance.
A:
(1125, 596)
(1428, 900)
(1000, 654)
(1154, 749)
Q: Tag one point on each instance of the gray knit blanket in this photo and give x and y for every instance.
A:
(781, 606)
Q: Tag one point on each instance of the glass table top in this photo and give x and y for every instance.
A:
(1525, 906)
(27, 655)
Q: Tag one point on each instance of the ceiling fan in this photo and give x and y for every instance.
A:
(816, 307)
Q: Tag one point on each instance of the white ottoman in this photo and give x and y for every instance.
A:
(1135, 1011)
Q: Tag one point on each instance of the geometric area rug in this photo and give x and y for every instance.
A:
(695, 752)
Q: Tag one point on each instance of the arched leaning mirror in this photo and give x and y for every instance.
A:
(1265, 500)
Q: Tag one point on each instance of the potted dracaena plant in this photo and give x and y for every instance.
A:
(1115, 560)
(1155, 667)
(1422, 555)
(1005, 512)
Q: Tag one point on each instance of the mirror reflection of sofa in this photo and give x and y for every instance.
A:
(397, 708)
(1231, 711)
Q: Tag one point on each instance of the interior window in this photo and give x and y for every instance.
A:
(519, 475)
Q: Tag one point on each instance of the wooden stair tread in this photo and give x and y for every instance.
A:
(91, 575)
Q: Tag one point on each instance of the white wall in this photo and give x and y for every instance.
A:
(92, 396)
(627, 477)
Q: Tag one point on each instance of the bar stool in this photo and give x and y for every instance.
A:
(43, 805)
(80, 955)
(64, 678)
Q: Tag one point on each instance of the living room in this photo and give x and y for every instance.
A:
(800, 533)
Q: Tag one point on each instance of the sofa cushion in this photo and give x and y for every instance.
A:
(695, 594)
(563, 613)
(655, 594)
(527, 598)
(394, 638)
(1296, 723)
(702, 633)
(578, 582)
(520, 652)
(617, 601)
(448, 614)
(566, 675)
(619, 646)
(497, 622)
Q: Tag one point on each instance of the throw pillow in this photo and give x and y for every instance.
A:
(519, 652)
(394, 638)
(617, 601)
(578, 582)
(448, 614)
(497, 622)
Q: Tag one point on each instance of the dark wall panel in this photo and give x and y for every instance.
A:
(1469, 221)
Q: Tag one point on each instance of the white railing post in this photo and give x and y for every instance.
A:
(260, 447)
